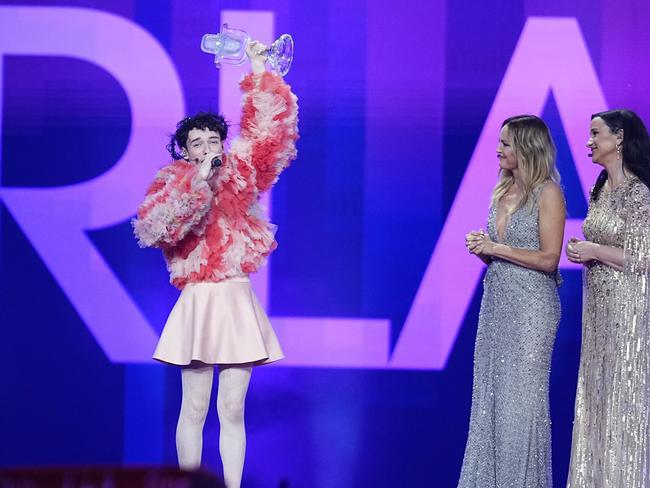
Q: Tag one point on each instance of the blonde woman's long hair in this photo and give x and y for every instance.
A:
(535, 152)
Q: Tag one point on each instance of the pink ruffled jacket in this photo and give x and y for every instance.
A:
(212, 230)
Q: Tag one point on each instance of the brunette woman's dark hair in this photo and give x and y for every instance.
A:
(635, 147)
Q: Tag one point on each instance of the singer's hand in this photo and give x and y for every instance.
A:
(205, 168)
(257, 53)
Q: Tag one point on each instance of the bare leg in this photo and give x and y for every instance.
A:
(197, 386)
(233, 385)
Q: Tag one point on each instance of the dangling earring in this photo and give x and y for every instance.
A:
(618, 152)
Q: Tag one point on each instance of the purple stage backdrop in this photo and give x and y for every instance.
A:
(371, 291)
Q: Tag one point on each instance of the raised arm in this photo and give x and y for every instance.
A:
(176, 201)
(269, 125)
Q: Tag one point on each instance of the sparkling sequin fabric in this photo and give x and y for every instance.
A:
(610, 431)
(509, 443)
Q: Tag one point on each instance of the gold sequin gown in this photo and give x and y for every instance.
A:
(610, 446)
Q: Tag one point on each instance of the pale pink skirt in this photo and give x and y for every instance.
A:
(218, 323)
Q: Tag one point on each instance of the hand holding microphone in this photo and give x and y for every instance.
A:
(210, 162)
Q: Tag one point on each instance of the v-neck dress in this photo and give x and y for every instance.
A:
(509, 442)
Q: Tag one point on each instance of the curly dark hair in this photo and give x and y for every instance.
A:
(202, 120)
(636, 146)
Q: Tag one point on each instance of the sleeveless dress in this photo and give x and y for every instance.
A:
(509, 441)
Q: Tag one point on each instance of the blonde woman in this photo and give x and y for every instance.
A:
(509, 442)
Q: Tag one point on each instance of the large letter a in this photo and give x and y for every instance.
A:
(551, 55)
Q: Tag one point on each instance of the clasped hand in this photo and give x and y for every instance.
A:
(578, 251)
(478, 242)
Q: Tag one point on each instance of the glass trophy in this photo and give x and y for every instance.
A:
(229, 47)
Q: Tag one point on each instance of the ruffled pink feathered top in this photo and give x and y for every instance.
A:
(212, 230)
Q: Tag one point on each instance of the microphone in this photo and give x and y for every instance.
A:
(216, 162)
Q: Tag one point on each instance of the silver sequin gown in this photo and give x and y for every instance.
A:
(610, 447)
(509, 441)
